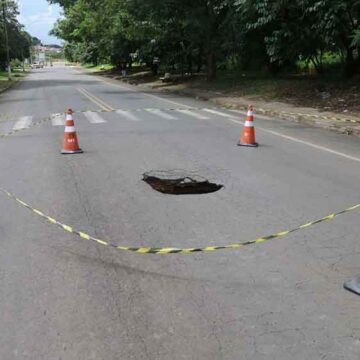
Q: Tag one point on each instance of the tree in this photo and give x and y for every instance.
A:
(18, 39)
(181, 33)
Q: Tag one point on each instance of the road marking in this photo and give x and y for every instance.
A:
(23, 123)
(92, 100)
(162, 114)
(143, 93)
(162, 99)
(193, 114)
(259, 116)
(57, 119)
(94, 118)
(304, 142)
(103, 105)
(322, 148)
(98, 100)
(211, 111)
(127, 115)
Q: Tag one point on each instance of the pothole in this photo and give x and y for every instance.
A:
(177, 182)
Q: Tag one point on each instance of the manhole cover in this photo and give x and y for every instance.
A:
(179, 183)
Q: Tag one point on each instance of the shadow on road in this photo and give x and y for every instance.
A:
(38, 84)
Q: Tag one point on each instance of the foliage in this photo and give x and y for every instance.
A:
(186, 35)
(19, 40)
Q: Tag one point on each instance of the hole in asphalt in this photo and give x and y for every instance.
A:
(179, 183)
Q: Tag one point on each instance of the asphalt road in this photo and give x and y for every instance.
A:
(65, 298)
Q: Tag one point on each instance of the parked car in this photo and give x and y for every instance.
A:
(37, 65)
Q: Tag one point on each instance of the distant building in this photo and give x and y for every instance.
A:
(44, 48)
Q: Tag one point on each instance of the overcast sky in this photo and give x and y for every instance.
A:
(39, 17)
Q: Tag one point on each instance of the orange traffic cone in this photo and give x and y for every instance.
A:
(248, 134)
(71, 145)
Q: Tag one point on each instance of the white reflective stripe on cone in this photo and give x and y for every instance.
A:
(249, 123)
(69, 129)
(69, 117)
(250, 113)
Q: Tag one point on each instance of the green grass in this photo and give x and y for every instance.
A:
(98, 67)
(3, 76)
(17, 75)
(299, 90)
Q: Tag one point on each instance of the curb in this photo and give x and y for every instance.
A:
(2, 90)
(8, 87)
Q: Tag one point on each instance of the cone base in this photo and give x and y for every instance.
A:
(353, 285)
(248, 145)
(68, 152)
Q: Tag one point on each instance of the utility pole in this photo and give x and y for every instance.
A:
(6, 39)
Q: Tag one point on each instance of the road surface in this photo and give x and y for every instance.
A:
(65, 298)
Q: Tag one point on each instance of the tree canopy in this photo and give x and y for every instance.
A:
(19, 40)
(262, 34)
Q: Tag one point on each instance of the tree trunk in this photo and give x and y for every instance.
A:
(199, 60)
(317, 65)
(350, 63)
(211, 66)
(189, 64)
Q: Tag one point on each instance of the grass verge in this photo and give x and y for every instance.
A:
(102, 67)
(325, 93)
(17, 75)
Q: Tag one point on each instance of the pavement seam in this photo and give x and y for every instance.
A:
(14, 131)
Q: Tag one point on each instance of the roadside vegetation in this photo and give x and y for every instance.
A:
(326, 93)
(19, 45)
(17, 75)
(305, 51)
(19, 41)
(187, 35)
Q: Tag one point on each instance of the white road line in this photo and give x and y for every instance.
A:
(349, 157)
(23, 123)
(238, 111)
(162, 99)
(57, 120)
(256, 115)
(128, 115)
(94, 118)
(215, 112)
(193, 114)
(145, 94)
(319, 147)
(162, 114)
(304, 142)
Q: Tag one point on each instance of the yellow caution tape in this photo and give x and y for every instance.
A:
(168, 250)
(173, 250)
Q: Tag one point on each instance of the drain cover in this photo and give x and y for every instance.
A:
(176, 182)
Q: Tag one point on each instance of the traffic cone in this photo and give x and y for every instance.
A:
(248, 134)
(353, 285)
(71, 145)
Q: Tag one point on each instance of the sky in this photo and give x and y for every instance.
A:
(39, 17)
